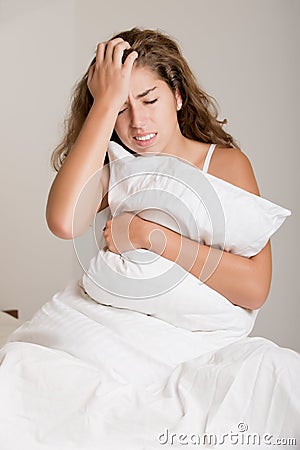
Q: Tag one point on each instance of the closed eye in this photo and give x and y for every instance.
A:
(120, 112)
(146, 103)
(151, 102)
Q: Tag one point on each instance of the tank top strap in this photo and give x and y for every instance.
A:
(208, 157)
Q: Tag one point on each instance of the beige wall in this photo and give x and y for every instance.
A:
(37, 69)
(245, 54)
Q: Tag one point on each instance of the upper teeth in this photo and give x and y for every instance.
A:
(144, 138)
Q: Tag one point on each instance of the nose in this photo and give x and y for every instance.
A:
(137, 116)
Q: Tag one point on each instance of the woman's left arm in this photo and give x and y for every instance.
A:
(243, 281)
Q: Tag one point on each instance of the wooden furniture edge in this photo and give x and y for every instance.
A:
(12, 312)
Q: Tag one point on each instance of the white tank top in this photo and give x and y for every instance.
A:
(208, 157)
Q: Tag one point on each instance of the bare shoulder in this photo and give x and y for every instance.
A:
(234, 166)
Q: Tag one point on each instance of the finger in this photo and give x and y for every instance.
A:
(100, 53)
(110, 48)
(129, 61)
(119, 51)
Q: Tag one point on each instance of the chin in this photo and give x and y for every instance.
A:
(147, 151)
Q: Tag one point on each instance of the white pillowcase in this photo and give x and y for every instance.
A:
(202, 207)
(207, 209)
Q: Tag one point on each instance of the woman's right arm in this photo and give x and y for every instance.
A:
(77, 190)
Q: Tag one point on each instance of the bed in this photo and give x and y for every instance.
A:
(83, 375)
(8, 323)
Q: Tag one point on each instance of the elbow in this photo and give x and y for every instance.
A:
(66, 232)
(258, 287)
(60, 231)
(261, 278)
(64, 227)
(259, 297)
(255, 298)
(56, 224)
(256, 304)
(263, 286)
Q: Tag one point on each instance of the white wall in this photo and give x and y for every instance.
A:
(36, 47)
(245, 54)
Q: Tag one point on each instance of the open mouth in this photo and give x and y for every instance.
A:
(145, 139)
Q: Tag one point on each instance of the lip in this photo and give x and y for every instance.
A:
(144, 143)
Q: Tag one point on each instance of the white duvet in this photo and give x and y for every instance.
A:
(82, 375)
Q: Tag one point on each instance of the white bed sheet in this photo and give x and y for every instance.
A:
(81, 375)
(7, 325)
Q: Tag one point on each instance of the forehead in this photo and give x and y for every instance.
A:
(143, 78)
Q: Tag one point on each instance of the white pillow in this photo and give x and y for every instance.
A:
(183, 198)
(202, 207)
(161, 289)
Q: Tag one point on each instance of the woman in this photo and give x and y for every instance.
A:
(83, 375)
(140, 92)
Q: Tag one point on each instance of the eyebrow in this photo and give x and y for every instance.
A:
(143, 94)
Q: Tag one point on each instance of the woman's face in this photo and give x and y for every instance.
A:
(147, 122)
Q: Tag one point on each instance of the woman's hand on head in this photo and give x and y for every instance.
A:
(125, 232)
(108, 78)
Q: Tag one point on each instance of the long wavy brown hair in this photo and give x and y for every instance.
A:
(156, 50)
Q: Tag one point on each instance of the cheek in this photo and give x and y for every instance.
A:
(120, 126)
(169, 108)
